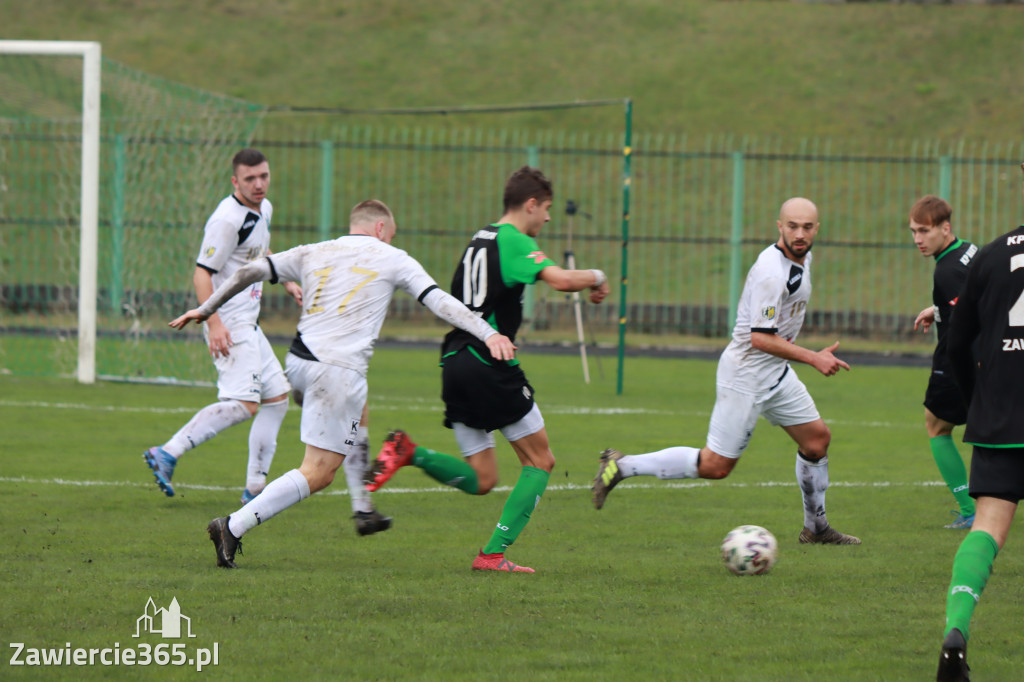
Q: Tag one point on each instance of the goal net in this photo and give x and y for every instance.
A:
(164, 159)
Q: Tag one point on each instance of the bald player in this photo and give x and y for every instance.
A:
(755, 379)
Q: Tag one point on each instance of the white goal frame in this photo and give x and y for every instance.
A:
(91, 54)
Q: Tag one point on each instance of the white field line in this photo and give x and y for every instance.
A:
(397, 404)
(443, 489)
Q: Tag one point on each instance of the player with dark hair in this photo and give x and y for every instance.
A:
(250, 381)
(350, 282)
(755, 379)
(944, 406)
(482, 396)
(986, 351)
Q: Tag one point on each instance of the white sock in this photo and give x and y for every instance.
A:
(355, 466)
(280, 494)
(813, 480)
(263, 444)
(677, 462)
(205, 424)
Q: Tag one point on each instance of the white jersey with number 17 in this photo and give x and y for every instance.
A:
(347, 285)
(773, 301)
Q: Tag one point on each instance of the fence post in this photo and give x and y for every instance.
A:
(117, 225)
(326, 189)
(945, 177)
(627, 181)
(736, 237)
(530, 292)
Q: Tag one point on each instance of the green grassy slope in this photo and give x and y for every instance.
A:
(865, 70)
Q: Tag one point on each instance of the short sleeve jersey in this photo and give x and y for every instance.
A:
(496, 266)
(347, 285)
(235, 235)
(950, 274)
(989, 320)
(773, 301)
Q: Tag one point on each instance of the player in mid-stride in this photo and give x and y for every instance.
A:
(755, 379)
(349, 283)
(944, 406)
(482, 396)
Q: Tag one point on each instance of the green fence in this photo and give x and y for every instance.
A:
(702, 207)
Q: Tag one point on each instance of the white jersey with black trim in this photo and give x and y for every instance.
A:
(347, 285)
(773, 301)
(235, 235)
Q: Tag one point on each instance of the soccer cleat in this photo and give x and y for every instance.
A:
(248, 497)
(829, 536)
(368, 523)
(396, 453)
(162, 464)
(498, 562)
(953, 659)
(224, 542)
(961, 522)
(608, 476)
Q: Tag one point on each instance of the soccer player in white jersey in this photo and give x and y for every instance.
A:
(755, 379)
(348, 284)
(250, 380)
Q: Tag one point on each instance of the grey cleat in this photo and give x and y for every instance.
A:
(608, 476)
(829, 536)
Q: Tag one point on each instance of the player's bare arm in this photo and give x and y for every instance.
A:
(561, 279)
(823, 360)
(925, 319)
(218, 334)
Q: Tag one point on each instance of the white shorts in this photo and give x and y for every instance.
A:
(332, 400)
(472, 441)
(735, 414)
(250, 371)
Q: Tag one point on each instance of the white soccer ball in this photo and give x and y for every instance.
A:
(749, 550)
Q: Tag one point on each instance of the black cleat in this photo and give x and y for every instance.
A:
(368, 523)
(224, 542)
(953, 660)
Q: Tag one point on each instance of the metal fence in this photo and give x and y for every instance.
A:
(702, 207)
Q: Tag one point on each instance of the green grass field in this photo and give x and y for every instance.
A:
(635, 591)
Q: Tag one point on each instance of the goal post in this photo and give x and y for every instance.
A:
(91, 55)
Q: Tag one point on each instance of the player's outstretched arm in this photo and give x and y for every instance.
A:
(250, 273)
(823, 360)
(561, 279)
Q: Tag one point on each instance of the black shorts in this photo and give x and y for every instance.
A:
(998, 472)
(483, 393)
(943, 398)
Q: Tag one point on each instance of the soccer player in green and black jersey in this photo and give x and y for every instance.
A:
(986, 350)
(481, 395)
(944, 406)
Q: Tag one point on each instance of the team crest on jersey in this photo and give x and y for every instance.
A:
(768, 313)
(537, 256)
(210, 251)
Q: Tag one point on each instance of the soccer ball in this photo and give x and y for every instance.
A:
(749, 550)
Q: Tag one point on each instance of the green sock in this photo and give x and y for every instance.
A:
(951, 466)
(971, 569)
(520, 504)
(452, 471)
